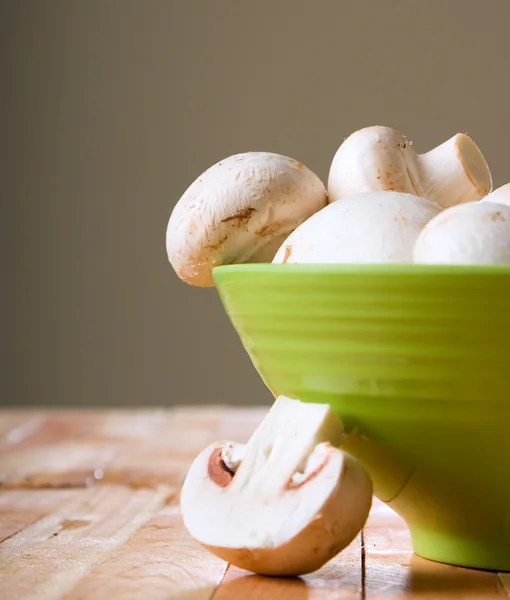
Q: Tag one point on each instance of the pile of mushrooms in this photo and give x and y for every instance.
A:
(290, 500)
(383, 204)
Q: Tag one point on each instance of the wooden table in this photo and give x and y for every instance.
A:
(89, 510)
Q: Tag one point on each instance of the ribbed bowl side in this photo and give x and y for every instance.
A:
(415, 358)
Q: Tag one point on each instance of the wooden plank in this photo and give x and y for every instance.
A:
(393, 571)
(143, 448)
(20, 508)
(73, 449)
(16, 426)
(109, 541)
(164, 458)
(66, 464)
(52, 453)
(167, 457)
(340, 579)
(11, 418)
(140, 425)
(220, 422)
(504, 578)
(12, 521)
(160, 562)
(62, 425)
(45, 560)
(115, 425)
(44, 501)
(238, 425)
(147, 467)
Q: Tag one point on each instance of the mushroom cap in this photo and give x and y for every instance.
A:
(371, 159)
(289, 530)
(376, 227)
(475, 233)
(292, 504)
(501, 195)
(240, 210)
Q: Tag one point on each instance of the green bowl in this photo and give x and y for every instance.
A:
(415, 359)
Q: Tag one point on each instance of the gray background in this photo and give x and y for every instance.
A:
(111, 108)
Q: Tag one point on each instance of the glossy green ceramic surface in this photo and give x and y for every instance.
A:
(415, 359)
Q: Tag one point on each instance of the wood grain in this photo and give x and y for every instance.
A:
(160, 562)
(20, 508)
(12, 418)
(505, 582)
(60, 464)
(17, 426)
(46, 559)
(219, 422)
(143, 448)
(148, 466)
(165, 458)
(341, 578)
(393, 571)
(116, 531)
(93, 426)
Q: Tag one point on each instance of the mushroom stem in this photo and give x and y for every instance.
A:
(282, 443)
(382, 159)
(454, 171)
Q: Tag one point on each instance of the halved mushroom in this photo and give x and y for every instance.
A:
(377, 227)
(285, 503)
(477, 233)
(501, 195)
(240, 210)
(381, 158)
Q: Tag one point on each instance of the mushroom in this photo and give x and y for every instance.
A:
(500, 195)
(285, 503)
(381, 158)
(240, 210)
(477, 233)
(377, 227)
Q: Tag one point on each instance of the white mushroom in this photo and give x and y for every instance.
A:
(240, 210)
(500, 195)
(468, 234)
(381, 158)
(377, 227)
(294, 501)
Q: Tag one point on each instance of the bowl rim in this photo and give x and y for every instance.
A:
(396, 269)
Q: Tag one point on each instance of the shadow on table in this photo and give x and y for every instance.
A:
(428, 577)
(258, 586)
(417, 578)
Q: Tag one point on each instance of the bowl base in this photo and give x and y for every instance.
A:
(462, 550)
